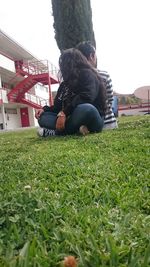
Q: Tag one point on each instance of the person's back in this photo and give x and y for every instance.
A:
(110, 121)
(88, 50)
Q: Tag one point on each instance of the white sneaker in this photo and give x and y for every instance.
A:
(43, 132)
(83, 130)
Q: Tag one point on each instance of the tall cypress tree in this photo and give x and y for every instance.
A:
(72, 22)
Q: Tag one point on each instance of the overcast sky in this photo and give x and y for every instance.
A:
(121, 29)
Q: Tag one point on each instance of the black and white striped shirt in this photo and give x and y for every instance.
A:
(109, 118)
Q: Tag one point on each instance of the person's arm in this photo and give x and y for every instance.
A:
(61, 116)
(57, 101)
(39, 112)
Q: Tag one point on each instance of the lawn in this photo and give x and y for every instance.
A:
(83, 196)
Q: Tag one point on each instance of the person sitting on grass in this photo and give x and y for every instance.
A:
(80, 103)
(88, 50)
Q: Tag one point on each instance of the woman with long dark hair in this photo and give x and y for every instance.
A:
(80, 103)
(88, 50)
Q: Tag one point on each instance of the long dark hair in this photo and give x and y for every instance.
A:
(71, 62)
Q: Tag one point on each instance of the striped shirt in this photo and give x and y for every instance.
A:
(109, 117)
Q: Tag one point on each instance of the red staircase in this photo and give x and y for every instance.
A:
(20, 89)
(33, 73)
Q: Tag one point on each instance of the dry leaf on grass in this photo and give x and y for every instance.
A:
(70, 261)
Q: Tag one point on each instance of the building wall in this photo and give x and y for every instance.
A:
(7, 63)
(12, 117)
(32, 119)
(42, 92)
(3, 96)
(12, 113)
(13, 120)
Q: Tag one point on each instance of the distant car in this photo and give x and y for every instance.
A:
(115, 106)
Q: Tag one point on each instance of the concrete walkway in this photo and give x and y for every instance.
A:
(18, 129)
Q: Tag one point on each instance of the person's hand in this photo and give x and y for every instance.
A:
(60, 123)
(38, 113)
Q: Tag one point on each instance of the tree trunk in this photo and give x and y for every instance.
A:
(72, 22)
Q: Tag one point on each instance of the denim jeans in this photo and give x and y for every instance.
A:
(84, 114)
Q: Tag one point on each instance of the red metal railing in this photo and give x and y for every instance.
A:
(36, 99)
(36, 67)
(133, 106)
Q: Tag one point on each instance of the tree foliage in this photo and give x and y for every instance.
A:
(72, 22)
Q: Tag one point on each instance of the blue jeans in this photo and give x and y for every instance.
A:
(83, 114)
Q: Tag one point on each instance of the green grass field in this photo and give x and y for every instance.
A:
(83, 196)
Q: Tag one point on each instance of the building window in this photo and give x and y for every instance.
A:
(11, 110)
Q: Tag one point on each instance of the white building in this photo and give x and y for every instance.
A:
(25, 84)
